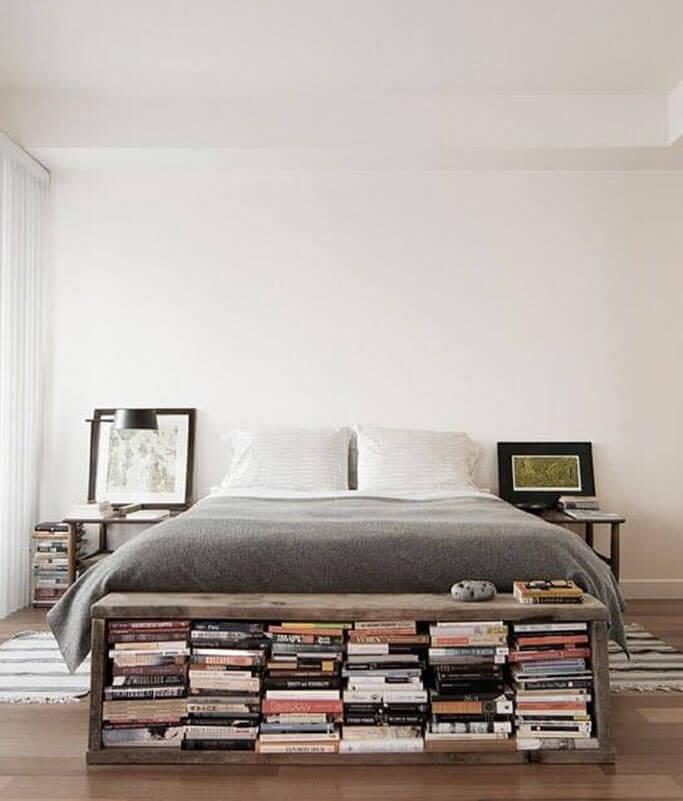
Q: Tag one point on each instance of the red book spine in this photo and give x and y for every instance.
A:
(145, 625)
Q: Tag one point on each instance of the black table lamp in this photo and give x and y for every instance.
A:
(125, 419)
(140, 419)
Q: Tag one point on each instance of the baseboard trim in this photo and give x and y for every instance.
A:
(652, 588)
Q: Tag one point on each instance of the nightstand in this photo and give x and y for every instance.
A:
(103, 551)
(561, 519)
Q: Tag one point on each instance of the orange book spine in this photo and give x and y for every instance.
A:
(554, 639)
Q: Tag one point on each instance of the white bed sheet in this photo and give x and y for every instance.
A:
(401, 495)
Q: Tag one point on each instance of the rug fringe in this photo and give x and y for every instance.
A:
(26, 633)
(18, 698)
(659, 688)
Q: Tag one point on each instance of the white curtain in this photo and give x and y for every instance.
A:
(23, 190)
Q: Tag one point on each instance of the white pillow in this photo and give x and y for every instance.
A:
(394, 459)
(295, 459)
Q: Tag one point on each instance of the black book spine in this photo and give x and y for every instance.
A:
(218, 745)
(558, 684)
(228, 625)
(244, 721)
(238, 645)
(61, 528)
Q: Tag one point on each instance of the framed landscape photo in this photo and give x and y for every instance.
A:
(153, 468)
(535, 474)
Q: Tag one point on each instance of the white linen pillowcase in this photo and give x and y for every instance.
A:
(398, 459)
(293, 459)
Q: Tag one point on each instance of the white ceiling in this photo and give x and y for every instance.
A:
(239, 47)
(428, 82)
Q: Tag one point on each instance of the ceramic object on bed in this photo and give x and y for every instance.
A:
(472, 591)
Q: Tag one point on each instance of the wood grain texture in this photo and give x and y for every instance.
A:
(98, 667)
(674, 715)
(344, 607)
(600, 667)
(156, 756)
(41, 757)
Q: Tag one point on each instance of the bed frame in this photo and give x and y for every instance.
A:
(299, 607)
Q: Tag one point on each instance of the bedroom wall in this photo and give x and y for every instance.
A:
(512, 305)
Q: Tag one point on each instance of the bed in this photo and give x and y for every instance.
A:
(341, 542)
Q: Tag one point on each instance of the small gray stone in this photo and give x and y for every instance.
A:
(473, 590)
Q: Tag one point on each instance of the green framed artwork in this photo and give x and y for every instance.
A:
(534, 474)
(545, 473)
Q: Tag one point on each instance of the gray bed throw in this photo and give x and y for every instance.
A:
(227, 544)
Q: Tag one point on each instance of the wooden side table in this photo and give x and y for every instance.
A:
(561, 519)
(102, 522)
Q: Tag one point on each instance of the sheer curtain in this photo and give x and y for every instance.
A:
(23, 191)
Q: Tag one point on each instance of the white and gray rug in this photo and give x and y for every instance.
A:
(32, 671)
(654, 665)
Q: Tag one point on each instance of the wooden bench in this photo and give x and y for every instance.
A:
(304, 607)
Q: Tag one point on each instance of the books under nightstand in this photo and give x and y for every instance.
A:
(56, 550)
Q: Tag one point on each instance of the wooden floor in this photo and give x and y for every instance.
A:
(42, 757)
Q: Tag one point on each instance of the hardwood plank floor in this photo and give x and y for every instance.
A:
(42, 757)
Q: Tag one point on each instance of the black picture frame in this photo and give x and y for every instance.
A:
(542, 498)
(101, 416)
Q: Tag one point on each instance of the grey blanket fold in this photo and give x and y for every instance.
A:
(357, 544)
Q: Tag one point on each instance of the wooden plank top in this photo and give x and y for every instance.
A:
(341, 606)
(558, 516)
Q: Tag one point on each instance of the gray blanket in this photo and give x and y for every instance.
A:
(335, 545)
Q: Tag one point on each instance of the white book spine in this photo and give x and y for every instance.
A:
(402, 745)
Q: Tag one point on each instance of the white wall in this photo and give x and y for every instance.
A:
(516, 306)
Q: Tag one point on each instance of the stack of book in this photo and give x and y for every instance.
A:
(302, 706)
(51, 561)
(583, 502)
(555, 591)
(385, 702)
(225, 684)
(470, 702)
(553, 685)
(145, 705)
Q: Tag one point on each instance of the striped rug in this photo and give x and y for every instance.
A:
(653, 666)
(32, 671)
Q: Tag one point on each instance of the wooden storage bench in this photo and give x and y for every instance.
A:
(345, 607)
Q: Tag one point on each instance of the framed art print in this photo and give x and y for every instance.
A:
(535, 474)
(153, 468)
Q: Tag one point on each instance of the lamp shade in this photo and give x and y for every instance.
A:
(136, 418)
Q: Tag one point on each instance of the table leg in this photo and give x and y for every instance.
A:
(614, 549)
(589, 534)
(103, 537)
(73, 531)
